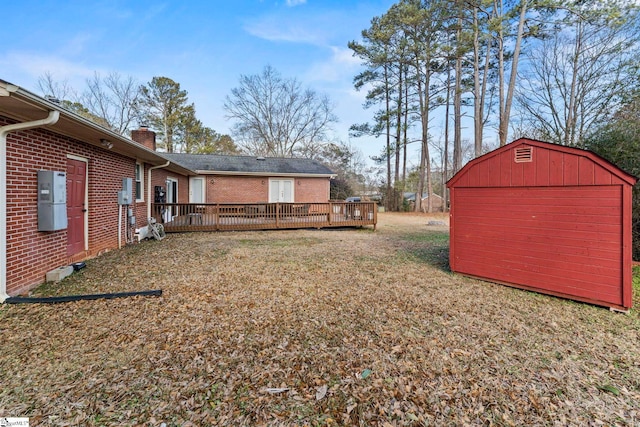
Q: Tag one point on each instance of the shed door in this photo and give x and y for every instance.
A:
(281, 190)
(559, 239)
(76, 188)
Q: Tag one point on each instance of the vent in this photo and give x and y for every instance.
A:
(260, 158)
(523, 155)
(52, 98)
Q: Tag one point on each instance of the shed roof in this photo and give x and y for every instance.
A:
(249, 165)
(548, 165)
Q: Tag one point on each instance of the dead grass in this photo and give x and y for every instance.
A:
(309, 327)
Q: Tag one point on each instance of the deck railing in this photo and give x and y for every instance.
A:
(181, 217)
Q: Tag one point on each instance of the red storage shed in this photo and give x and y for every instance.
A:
(546, 218)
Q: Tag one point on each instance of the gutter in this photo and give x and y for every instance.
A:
(149, 186)
(123, 145)
(52, 118)
(269, 174)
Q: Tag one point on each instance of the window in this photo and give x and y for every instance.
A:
(139, 186)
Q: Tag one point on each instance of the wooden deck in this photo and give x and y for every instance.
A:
(184, 217)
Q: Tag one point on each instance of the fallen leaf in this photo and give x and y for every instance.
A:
(321, 392)
(276, 390)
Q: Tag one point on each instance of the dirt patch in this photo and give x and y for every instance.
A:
(313, 327)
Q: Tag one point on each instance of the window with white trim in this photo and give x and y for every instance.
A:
(139, 179)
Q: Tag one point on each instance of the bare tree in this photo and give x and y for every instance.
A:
(276, 116)
(55, 90)
(114, 98)
(575, 79)
(482, 39)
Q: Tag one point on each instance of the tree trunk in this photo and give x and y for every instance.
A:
(457, 107)
(478, 97)
(397, 198)
(425, 161)
(504, 122)
(389, 198)
(498, 5)
(569, 132)
(445, 193)
(424, 107)
(404, 132)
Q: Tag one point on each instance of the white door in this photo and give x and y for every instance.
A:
(280, 190)
(172, 197)
(196, 190)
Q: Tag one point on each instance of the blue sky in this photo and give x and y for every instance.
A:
(203, 45)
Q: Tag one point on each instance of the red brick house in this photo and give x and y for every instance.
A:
(46, 151)
(242, 179)
(39, 135)
(251, 179)
(223, 179)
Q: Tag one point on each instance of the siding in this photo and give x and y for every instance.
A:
(564, 240)
(548, 168)
(557, 221)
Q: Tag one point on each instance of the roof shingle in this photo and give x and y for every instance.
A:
(248, 164)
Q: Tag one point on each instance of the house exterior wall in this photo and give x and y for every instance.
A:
(31, 253)
(558, 224)
(235, 189)
(255, 189)
(310, 190)
(159, 178)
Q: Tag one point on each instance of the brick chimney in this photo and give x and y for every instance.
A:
(145, 137)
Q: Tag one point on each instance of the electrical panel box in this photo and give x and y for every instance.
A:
(52, 200)
(125, 197)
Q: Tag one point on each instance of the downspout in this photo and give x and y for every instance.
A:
(149, 186)
(51, 119)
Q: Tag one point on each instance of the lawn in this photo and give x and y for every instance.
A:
(313, 327)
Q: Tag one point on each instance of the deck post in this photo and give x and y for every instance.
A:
(277, 214)
(216, 216)
(375, 216)
(330, 211)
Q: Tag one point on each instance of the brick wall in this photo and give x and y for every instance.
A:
(160, 176)
(31, 253)
(251, 189)
(232, 189)
(308, 190)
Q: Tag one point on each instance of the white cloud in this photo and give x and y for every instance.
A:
(76, 45)
(274, 28)
(24, 69)
(339, 66)
(292, 3)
